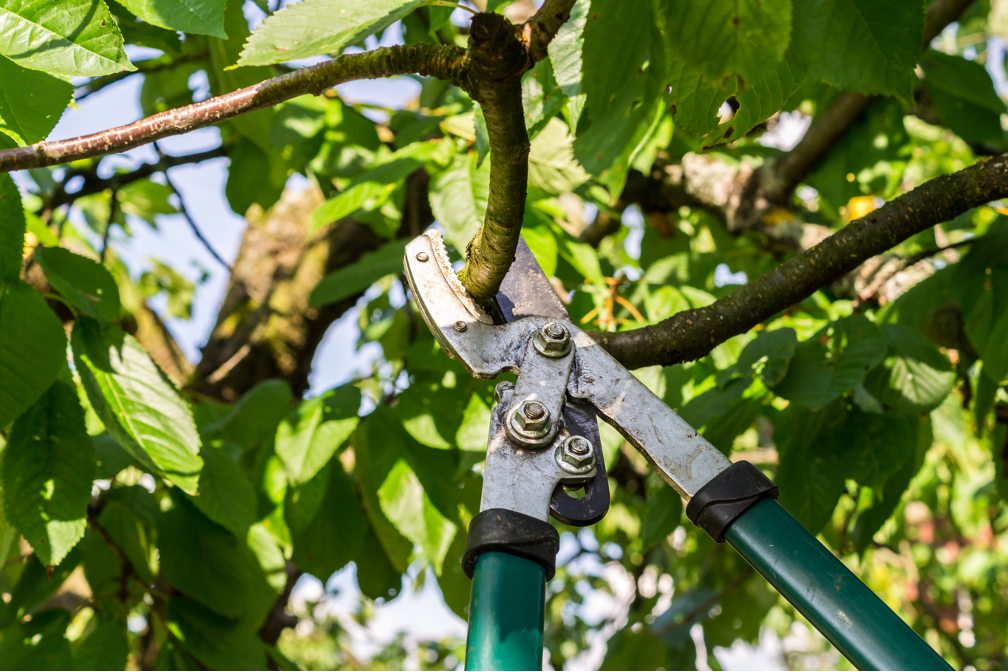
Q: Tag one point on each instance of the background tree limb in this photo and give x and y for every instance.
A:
(692, 334)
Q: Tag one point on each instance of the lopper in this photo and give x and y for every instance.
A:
(544, 439)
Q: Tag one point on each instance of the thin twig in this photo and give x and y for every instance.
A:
(879, 281)
(113, 207)
(95, 185)
(192, 224)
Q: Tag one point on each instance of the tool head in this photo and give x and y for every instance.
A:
(677, 451)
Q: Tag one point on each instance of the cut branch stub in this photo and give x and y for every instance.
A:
(498, 58)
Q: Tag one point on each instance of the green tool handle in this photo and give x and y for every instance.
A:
(506, 614)
(860, 625)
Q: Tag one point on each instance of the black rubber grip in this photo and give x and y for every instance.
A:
(727, 496)
(514, 533)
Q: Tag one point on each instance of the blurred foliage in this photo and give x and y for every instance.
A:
(884, 420)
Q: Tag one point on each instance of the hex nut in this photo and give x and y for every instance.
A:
(575, 455)
(553, 340)
(531, 420)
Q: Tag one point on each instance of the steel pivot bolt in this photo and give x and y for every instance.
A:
(531, 420)
(553, 340)
(575, 455)
(502, 388)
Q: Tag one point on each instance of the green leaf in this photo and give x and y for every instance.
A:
(458, 198)
(83, 283)
(225, 495)
(963, 93)
(407, 505)
(200, 17)
(860, 45)
(378, 446)
(217, 642)
(915, 377)
(145, 199)
(316, 27)
(623, 68)
(255, 417)
(12, 232)
(268, 551)
(630, 650)
(127, 522)
(38, 644)
(370, 191)
(474, 431)
(551, 163)
(206, 562)
(376, 577)
(335, 535)
(695, 103)
(809, 478)
(107, 648)
(870, 447)
(456, 587)
(47, 470)
(565, 50)
(31, 102)
(821, 373)
(772, 351)
(255, 176)
(140, 408)
(541, 98)
(72, 37)
(224, 78)
(312, 432)
(873, 142)
(663, 516)
(728, 38)
(870, 520)
(32, 348)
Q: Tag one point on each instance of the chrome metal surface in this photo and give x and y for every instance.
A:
(484, 349)
(684, 459)
(542, 379)
(521, 479)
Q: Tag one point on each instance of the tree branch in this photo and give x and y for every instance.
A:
(449, 63)
(500, 53)
(692, 334)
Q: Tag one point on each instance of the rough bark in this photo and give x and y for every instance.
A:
(265, 327)
(692, 334)
(446, 63)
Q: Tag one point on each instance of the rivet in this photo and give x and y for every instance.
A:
(459, 326)
(422, 256)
